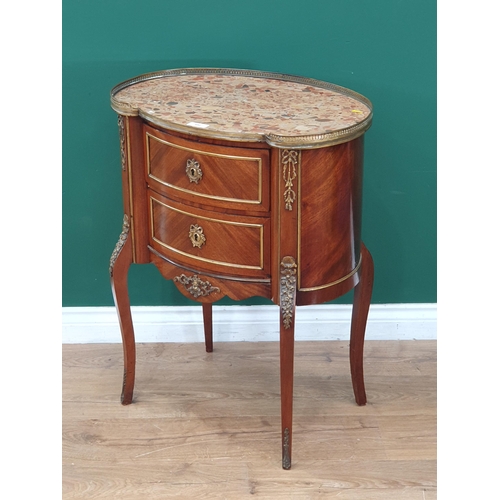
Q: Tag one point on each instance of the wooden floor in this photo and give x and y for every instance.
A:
(208, 425)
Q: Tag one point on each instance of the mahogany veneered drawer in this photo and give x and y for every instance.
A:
(209, 241)
(207, 174)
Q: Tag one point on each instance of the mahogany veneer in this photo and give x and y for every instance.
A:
(244, 183)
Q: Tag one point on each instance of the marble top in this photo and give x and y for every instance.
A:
(246, 105)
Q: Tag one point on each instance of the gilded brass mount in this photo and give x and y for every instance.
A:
(119, 244)
(289, 159)
(286, 461)
(196, 236)
(193, 171)
(288, 287)
(196, 286)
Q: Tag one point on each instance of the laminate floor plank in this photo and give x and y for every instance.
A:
(208, 425)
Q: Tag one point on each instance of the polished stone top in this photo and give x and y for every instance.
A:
(246, 105)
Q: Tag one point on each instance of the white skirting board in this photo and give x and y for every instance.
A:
(85, 325)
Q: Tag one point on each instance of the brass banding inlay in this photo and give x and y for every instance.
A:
(336, 282)
(219, 221)
(206, 153)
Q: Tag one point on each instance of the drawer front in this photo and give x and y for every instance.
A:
(209, 241)
(206, 174)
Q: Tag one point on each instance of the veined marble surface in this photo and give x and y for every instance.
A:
(239, 105)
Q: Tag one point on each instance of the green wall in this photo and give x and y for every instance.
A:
(386, 50)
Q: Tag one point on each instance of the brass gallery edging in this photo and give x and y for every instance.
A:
(205, 153)
(195, 257)
(276, 140)
(336, 282)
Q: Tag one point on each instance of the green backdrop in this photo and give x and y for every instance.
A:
(385, 50)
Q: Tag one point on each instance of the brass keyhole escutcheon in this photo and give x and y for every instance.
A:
(193, 171)
(196, 235)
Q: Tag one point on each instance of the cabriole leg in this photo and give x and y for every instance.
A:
(119, 265)
(361, 305)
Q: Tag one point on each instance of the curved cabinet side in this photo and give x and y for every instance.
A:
(330, 221)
